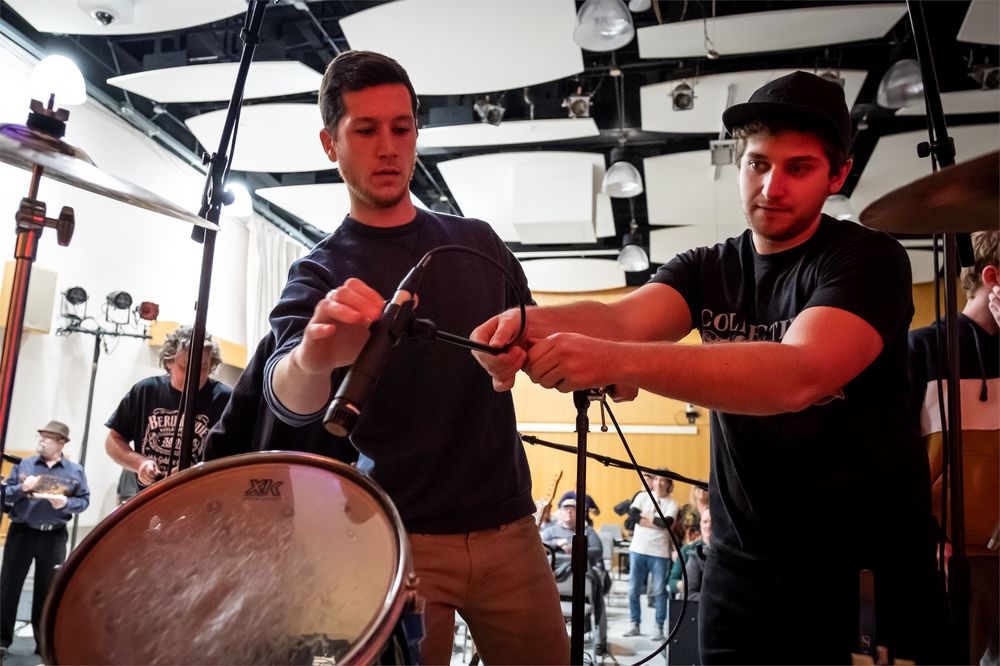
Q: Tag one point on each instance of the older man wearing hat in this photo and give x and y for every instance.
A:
(806, 378)
(43, 492)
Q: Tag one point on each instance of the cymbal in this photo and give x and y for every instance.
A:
(24, 147)
(957, 199)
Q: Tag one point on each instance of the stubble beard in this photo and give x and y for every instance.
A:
(369, 198)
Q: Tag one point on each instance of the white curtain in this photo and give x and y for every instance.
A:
(270, 253)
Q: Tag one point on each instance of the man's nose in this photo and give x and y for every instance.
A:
(386, 143)
(774, 184)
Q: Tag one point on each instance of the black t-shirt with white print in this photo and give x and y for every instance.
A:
(147, 417)
(853, 460)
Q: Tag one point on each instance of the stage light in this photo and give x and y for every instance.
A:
(683, 97)
(75, 295)
(622, 180)
(578, 104)
(489, 112)
(603, 25)
(147, 311)
(59, 76)
(901, 86)
(633, 256)
(119, 300)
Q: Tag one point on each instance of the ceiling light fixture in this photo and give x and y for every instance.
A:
(901, 86)
(839, 206)
(986, 75)
(636, 6)
(683, 97)
(633, 257)
(832, 76)
(603, 25)
(57, 76)
(578, 104)
(622, 180)
(488, 112)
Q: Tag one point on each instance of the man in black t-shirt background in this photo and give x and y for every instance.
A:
(810, 429)
(148, 414)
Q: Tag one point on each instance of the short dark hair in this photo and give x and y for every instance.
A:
(835, 155)
(179, 340)
(356, 70)
(985, 246)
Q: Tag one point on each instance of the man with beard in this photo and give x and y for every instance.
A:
(433, 433)
(807, 381)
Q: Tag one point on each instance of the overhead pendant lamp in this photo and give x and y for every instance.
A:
(633, 257)
(622, 180)
(840, 207)
(59, 76)
(603, 25)
(901, 86)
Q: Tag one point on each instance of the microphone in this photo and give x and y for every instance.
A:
(345, 409)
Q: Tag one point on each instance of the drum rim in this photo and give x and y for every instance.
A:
(371, 640)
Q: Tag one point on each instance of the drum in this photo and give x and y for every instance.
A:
(262, 558)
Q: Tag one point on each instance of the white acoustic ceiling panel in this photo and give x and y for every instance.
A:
(681, 189)
(271, 137)
(455, 47)
(921, 265)
(780, 30)
(894, 162)
(322, 205)
(508, 133)
(959, 102)
(213, 82)
(711, 94)
(565, 275)
(982, 23)
(540, 217)
(665, 244)
(132, 17)
(484, 186)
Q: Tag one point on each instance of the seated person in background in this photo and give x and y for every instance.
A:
(559, 534)
(698, 554)
(592, 508)
(692, 538)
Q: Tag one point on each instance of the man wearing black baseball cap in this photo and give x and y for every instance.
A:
(807, 387)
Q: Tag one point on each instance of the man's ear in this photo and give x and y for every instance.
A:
(837, 179)
(990, 275)
(329, 147)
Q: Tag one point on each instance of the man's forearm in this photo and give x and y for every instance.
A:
(586, 317)
(299, 391)
(119, 451)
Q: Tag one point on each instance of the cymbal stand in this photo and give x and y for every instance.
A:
(214, 197)
(31, 221)
(942, 147)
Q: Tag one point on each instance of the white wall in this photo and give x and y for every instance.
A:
(116, 246)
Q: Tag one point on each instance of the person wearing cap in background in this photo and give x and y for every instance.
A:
(809, 406)
(592, 508)
(43, 492)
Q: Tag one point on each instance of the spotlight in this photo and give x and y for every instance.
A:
(830, 75)
(120, 300)
(987, 76)
(488, 112)
(691, 413)
(147, 311)
(622, 180)
(722, 151)
(603, 25)
(578, 104)
(76, 295)
(901, 86)
(683, 97)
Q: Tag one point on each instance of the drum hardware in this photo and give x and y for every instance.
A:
(955, 200)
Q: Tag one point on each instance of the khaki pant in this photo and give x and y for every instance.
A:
(501, 582)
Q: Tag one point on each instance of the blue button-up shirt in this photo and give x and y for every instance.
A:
(65, 477)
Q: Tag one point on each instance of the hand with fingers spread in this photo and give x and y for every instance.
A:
(497, 332)
(570, 362)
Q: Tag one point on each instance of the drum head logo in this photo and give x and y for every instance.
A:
(264, 489)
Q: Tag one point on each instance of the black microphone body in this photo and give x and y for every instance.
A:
(345, 409)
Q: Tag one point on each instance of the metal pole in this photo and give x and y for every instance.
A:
(86, 424)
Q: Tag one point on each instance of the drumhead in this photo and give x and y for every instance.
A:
(274, 558)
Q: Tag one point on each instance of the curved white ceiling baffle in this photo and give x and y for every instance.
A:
(453, 47)
(498, 189)
(668, 242)
(507, 133)
(213, 82)
(681, 189)
(710, 96)
(894, 161)
(132, 17)
(959, 102)
(982, 23)
(271, 137)
(921, 265)
(566, 275)
(322, 205)
(779, 30)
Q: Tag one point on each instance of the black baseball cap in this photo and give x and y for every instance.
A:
(797, 96)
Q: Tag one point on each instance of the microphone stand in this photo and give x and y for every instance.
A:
(214, 197)
(578, 565)
(942, 148)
